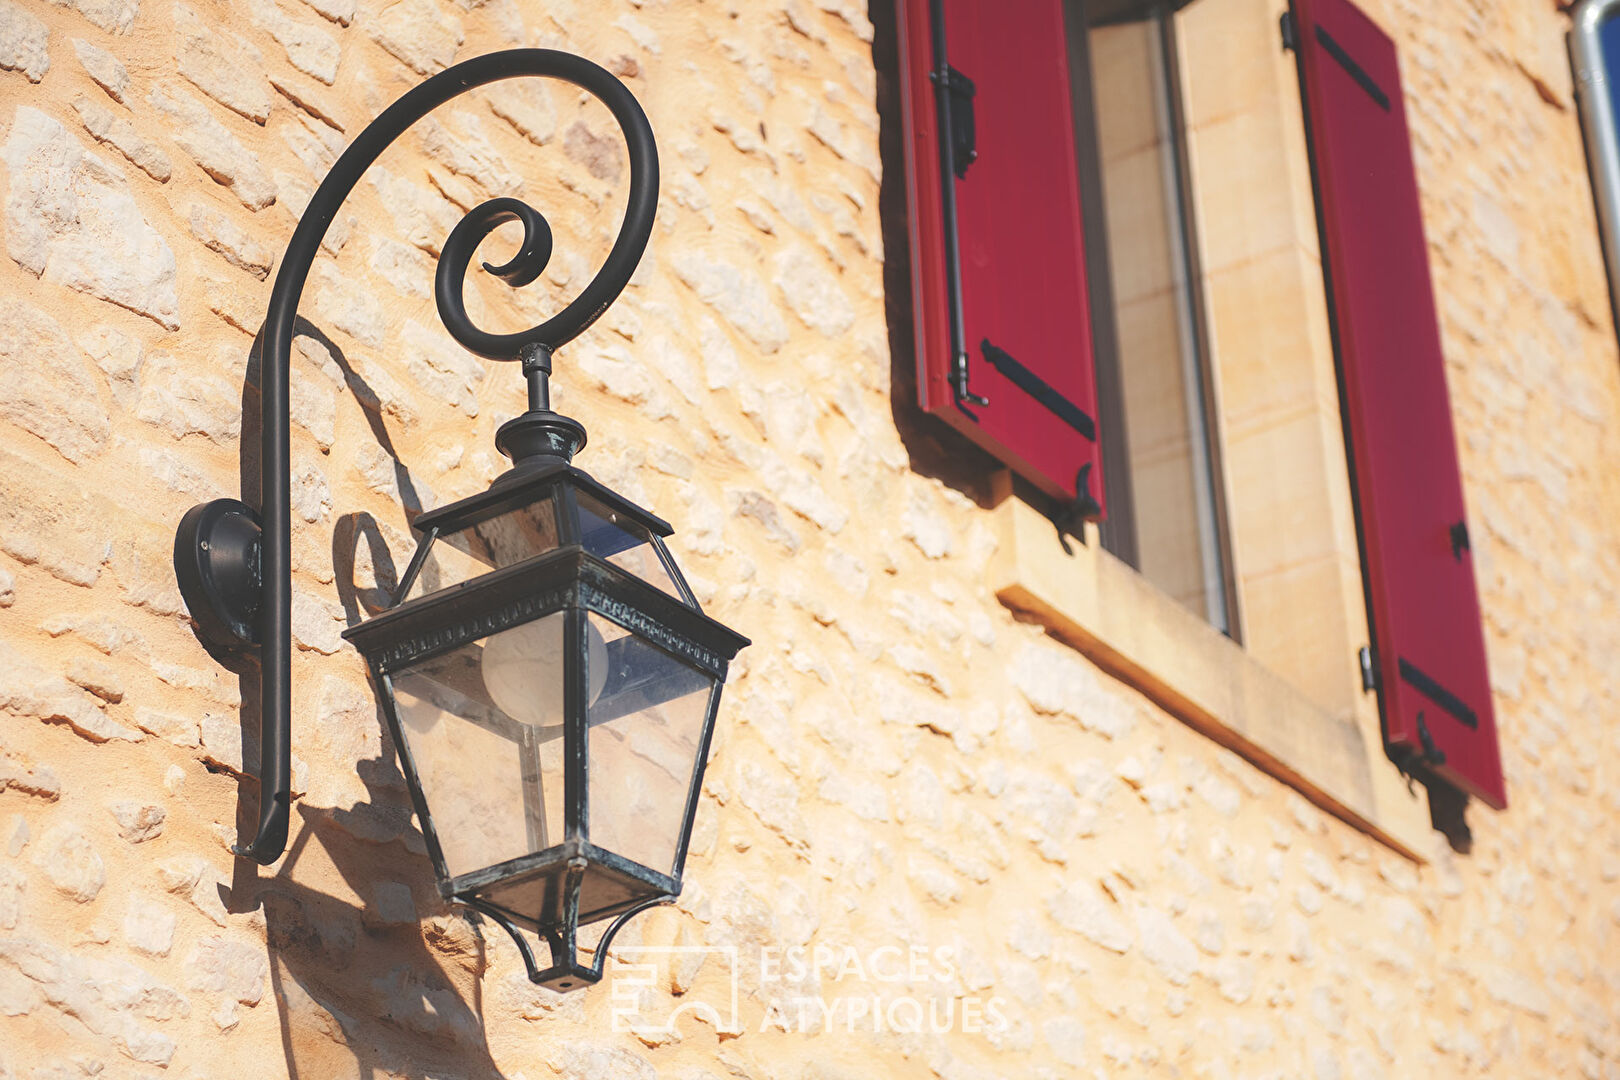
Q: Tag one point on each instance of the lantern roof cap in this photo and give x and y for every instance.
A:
(521, 487)
(511, 595)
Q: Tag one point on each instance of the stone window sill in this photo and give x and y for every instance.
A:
(1098, 605)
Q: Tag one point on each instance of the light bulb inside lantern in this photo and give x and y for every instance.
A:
(523, 670)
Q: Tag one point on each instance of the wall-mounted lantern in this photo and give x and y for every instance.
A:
(553, 686)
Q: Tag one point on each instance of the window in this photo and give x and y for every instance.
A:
(1180, 288)
(1594, 48)
(1160, 452)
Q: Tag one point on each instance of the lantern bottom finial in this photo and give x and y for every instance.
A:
(565, 972)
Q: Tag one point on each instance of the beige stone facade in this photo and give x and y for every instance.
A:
(1054, 828)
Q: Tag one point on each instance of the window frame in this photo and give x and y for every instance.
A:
(1596, 87)
(1044, 580)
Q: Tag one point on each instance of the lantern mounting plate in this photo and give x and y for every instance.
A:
(217, 564)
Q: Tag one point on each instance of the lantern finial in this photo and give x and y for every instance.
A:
(539, 438)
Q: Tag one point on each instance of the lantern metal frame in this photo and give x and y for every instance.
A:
(572, 580)
(233, 564)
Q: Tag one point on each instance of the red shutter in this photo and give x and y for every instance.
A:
(1026, 314)
(1427, 637)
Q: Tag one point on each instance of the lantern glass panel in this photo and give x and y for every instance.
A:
(611, 536)
(503, 540)
(646, 731)
(484, 726)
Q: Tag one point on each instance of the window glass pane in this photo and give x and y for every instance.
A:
(1609, 39)
(646, 726)
(483, 724)
(615, 538)
(500, 541)
(1168, 435)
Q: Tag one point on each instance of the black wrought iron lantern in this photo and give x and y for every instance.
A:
(552, 698)
(549, 679)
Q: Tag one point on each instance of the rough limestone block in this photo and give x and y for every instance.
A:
(138, 822)
(97, 676)
(740, 298)
(71, 862)
(105, 68)
(23, 42)
(235, 969)
(311, 48)
(119, 357)
(214, 148)
(468, 152)
(105, 126)
(18, 774)
(417, 32)
(71, 220)
(177, 398)
(31, 691)
(813, 293)
(149, 925)
(222, 65)
(115, 1000)
(114, 16)
(45, 385)
(229, 240)
(338, 11)
(527, 105)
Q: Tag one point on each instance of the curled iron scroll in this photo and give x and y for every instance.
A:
(275, 628)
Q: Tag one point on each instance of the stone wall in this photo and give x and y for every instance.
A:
(899, 761)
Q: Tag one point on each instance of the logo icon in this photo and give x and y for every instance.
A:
(642, 973)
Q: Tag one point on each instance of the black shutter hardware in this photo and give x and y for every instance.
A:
(1039, 389)
(963, 135)
(950, 85)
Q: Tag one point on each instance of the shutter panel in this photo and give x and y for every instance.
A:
(1026, 316)
(1427, 637)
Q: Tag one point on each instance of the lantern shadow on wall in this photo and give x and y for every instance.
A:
(548, 678)
(327, 955)
(354, 989)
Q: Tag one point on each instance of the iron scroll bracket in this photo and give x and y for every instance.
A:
(259, 620)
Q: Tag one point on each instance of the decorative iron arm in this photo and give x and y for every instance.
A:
(236, 576)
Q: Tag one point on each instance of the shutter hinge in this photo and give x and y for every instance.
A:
(1459, 540)
(1039, 389)
(1290, 32)
(963, 136)
(1369, 669)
